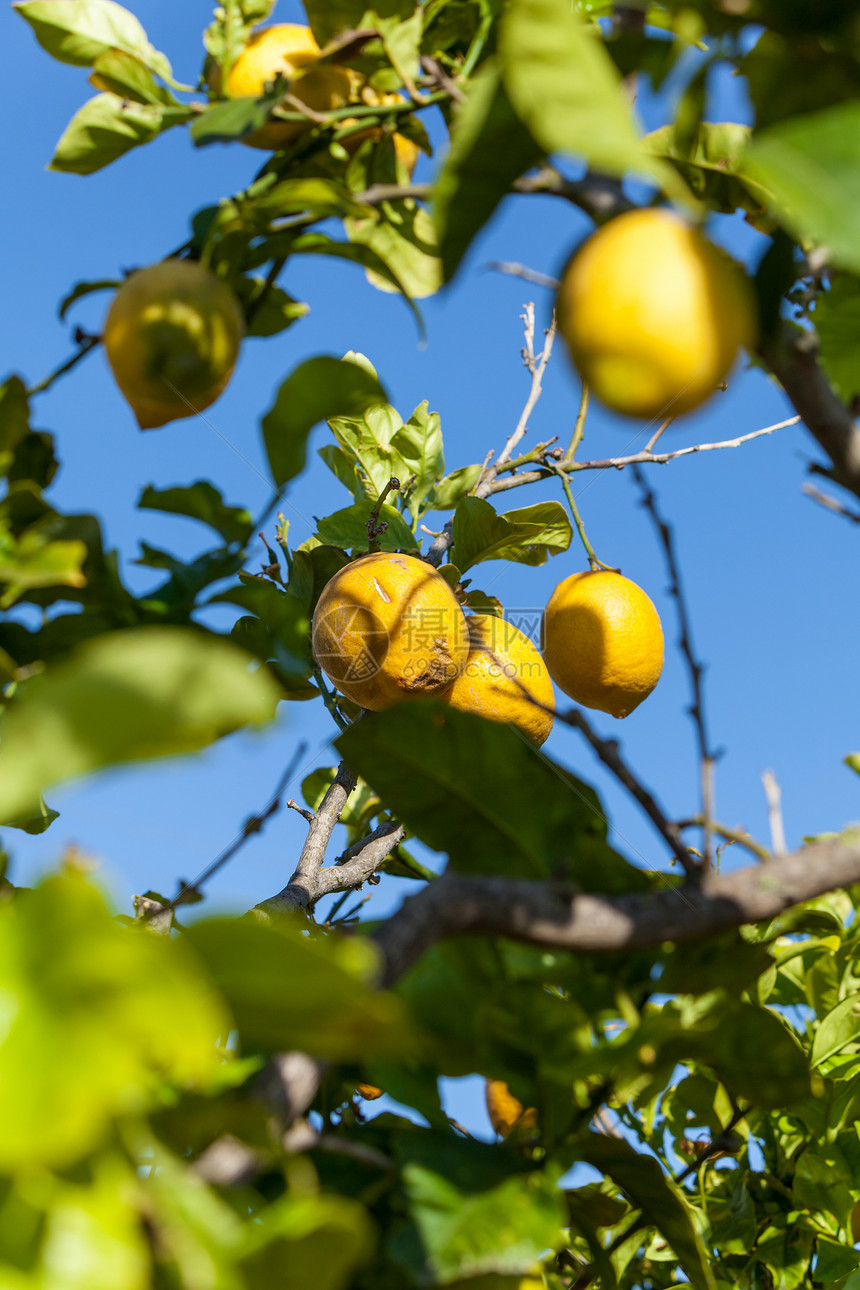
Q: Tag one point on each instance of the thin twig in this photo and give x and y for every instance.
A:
(523, 271)
(302, 890)
(643, 458)
(86, 344)
(738, 836)
(831, 503)
(707, 756)
(579, 427)
(773, 793)
(254, 824)
(593, 562)
(375, 527)
(649, 447)
(607, 751)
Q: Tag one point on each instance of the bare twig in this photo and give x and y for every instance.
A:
(773, 794)
(524, 272)
(86, 343)
(607, 751)
(644, 458)
(599, 197)
(551, 914)
(375, 527)
(831, 503)
(434, 68)
(707, 756)
(190, 891)
(737, 836)
(579, 425)
(301, 891)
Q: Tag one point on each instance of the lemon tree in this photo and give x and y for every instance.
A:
(670, 1054)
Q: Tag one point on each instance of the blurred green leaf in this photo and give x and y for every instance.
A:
(527, 536)
(149, 692)
(107, 127)
(835, 1031)
(94, 1233)
(303, 1241)
(490, 148)
(564, 88)
(124, 74)
(317, 390)
(282, 621)
(14, 418)
(837, 321)
(33, 560)
(403, 235)
(372, 258)
(459, 783)
(271, 310)
(476, 1210)
(811, 166)
(287, 990)
(233, 119)
(712, 164)
(79, 31)
(92, 1027)
(347, 529)
(660, 1201)
(81, 289)
(200, 501)
(35, 821)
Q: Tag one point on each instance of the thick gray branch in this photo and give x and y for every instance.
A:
(552, 915)
(795, 366)
(300, 891)
(360, 861)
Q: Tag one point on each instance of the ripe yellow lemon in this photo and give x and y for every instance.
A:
(368, 1091)
(653, 314)
(387, 628)
(602, 641)
(503, 673)
(287, 48)
(172, 337)
(505, 1110)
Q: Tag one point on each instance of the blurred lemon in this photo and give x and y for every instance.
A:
(653, 314)
(506, 1111)
(172, 337)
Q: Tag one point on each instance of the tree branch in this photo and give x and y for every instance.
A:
(794, 364)
(300, 891)
(552, 915)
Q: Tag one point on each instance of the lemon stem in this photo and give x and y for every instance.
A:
(593, 563)
(375, 527)
(579, 428)
(86, 344)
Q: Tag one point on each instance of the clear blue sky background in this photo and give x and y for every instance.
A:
(770, 576)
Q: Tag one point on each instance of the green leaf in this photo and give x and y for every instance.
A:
(563, 86)
(369, 441)
(14, 418)
(459, 782)
(811, 166)
(36, 821)
(34, 560)
(712, 164)
(402, 234)
(281, 622)
(835, 1031)
(125, 75)
(78, 31)
(126, 696)
(93, 1027)
(106, 128)
(200, 501)
(490, 148)
(369, 257)
(81, 289)
(93, 1232)
(823, 1179)
(419, 443)
(317, 390)
(527, 536)
(288, 990)
(453, 488)
(233, 119)
(837, 321)
(301, 1241)
(476, 1210)
(347, 528)
(660, 1201)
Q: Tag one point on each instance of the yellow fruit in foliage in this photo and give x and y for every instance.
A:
(287, 48)
(505, 1110)
(653, 314)
(387, 628)
(504, 679)
(369, 1092)
(405, 150)
(172, 338)
(602, 641)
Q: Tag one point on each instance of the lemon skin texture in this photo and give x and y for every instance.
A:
(505, 1110)
(172, 337)
(602, 641)
(653, 314)
(288, 48)
(388, 628)
(503, 673)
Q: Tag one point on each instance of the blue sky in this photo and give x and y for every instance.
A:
(770, 587)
